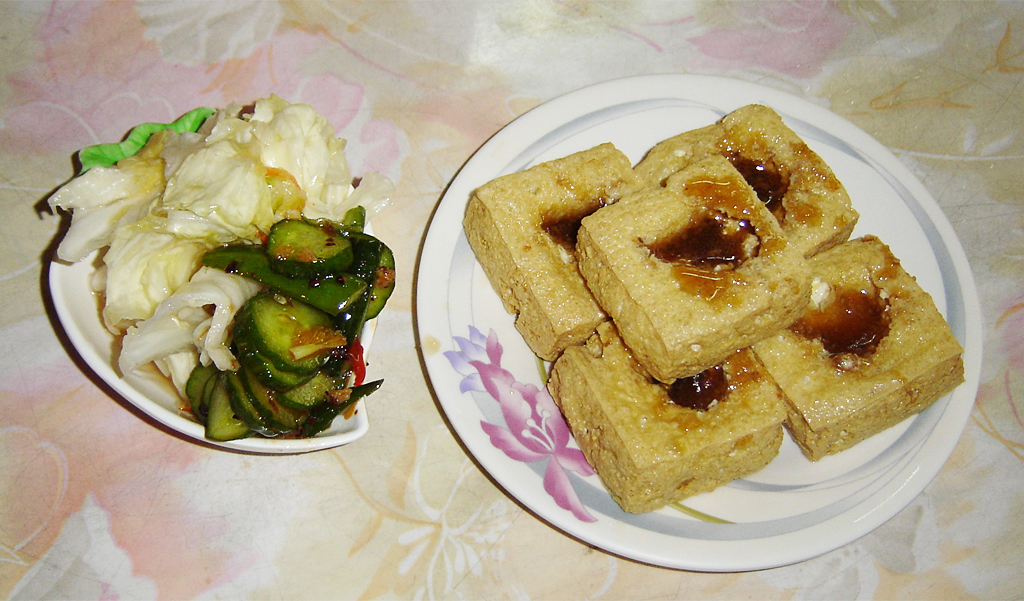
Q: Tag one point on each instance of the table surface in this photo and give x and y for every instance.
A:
(97, 501)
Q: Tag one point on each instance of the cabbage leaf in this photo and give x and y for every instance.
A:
(183, 322)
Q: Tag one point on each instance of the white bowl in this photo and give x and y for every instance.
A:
(78, 309)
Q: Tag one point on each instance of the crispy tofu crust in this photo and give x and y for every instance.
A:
(522, 229)
(815, 214)
(678, 321)
(649, 451)
(835, 401)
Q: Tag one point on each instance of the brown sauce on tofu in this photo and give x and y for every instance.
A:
(704, 254)
(854, 322)
(768, 183)
(711, 240)
(700, 391)
(563, 227)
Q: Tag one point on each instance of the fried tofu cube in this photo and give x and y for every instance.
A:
(653, 444)
(692, 271)
(798, 187)
(522, 228)
(871, 350)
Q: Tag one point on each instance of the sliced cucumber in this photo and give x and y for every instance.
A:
(254, 361)
(305, 249)
(350, 323)
(268, 373)
(382, 284)
(278, 417)
(330, 294)
(242, 405)
(375, 264)
(311, 393)
(221, 422)
(321, 417)
(292, 335)
(355, 218)
(195, 389)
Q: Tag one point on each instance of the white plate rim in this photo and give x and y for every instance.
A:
(513, 147)
(86, 333)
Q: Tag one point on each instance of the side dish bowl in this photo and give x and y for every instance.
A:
(78, 310)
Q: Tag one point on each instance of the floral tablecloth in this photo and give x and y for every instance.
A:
(99, 502)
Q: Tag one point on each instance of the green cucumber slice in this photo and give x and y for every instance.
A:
(277, 416)
(310, 394)
(305, 249)
(195, 389)
(382, 284)
(330, 294)
(292, 335)
(321, 417)
(267, 373)
(355, 218)
(221, 422)
(371, 256)
(242, 405)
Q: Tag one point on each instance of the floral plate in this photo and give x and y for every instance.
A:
(490, 386)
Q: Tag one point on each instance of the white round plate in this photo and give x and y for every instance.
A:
(486, 378)
(78, 310)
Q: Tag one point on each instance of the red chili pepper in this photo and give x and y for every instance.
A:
(355, 355)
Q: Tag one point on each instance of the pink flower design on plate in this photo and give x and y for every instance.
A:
(535, 429)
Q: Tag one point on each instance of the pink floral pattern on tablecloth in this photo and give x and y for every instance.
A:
(70, 99)
(795, 38)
